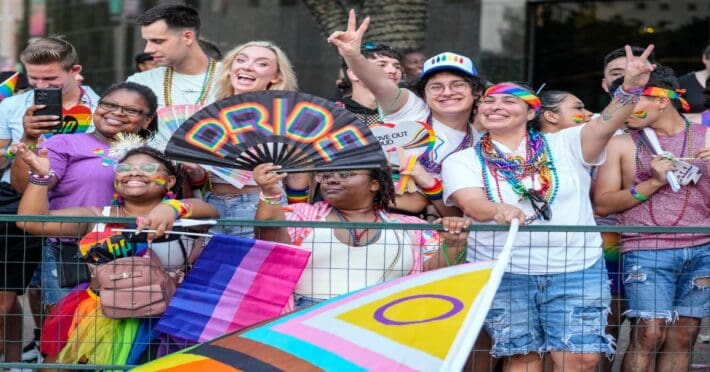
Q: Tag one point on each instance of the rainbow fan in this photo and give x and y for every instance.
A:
(172, 117)
(298, 131)
(414, 137)
(7, 88)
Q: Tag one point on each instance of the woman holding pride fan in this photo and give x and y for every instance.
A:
(446, 97)
(555, 296)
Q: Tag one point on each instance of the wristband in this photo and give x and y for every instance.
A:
(182, 209)
(37, 179)
(8, 154)
(434, 192)
(627, 98)
(271, 199)
(636, 195)
(297, 196)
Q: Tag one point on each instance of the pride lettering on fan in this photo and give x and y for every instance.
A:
(238, 121)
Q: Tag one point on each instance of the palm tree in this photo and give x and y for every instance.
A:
(400, 23)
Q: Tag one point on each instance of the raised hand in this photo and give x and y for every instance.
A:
(638, 69)
(38, 163)
(348, 42)
(268, 180)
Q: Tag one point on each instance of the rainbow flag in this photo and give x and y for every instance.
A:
(424, 322)
(7, 88)
(236, 282)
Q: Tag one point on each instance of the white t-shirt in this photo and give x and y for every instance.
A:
(536, 252)
(186, 90)
(447, 138)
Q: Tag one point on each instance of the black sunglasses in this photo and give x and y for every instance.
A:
(371, 46)
(539, 204)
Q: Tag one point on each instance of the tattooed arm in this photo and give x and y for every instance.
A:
(597, 133)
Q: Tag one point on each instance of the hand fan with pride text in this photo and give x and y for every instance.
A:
(298, 131)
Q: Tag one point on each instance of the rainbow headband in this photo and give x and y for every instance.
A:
(507, 88)
(671, 94)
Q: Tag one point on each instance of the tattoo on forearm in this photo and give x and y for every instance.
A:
(621, 100)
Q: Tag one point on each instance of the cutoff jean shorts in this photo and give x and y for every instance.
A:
(552, 312)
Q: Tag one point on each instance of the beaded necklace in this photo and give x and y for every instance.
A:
(514, 169)
(427, 158)
(204, 91)
(685, 150)
(354, 235)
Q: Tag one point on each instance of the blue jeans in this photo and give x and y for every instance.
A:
(663, 284)
(554, 312)
(238, 207)
(51, 291)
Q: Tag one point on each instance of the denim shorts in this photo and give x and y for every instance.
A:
(662, 284)
(553, 312)
(238, 207)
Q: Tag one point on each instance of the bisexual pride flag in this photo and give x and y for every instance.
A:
(424, 322)
(235, 282)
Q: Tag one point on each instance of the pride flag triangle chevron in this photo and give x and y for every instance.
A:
(424, 322)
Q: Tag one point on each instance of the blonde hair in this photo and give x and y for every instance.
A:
(46, 50)
(285, 71)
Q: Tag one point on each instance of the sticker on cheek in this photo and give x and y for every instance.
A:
(160, 181)
(640, 114)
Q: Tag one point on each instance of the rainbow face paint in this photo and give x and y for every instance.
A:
(578, 119)
(508, 88)
(639, 115)
(160, 181)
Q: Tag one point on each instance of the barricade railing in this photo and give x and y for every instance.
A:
(386, 261)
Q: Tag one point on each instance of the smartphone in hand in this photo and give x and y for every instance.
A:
(52, 99)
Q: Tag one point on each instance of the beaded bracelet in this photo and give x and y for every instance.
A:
(435, 192)
(271, 199)
(627, 98)
(297, 196)
(182, 209)
(38, 179)
(636, 195)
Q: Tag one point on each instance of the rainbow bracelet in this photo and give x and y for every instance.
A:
(8, 154)
(182, 209)
(640, 197)
(435, 192)
(271, 199)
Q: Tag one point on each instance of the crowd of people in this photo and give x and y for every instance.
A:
(502, 152)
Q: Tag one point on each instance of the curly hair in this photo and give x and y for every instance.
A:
(150, 100)
(172, 168)
(478, 86)
(385, 195)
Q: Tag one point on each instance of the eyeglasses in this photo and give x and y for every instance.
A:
(130, 111)
(145, 168)
(539, 204)
(458, 86)
(337, 175)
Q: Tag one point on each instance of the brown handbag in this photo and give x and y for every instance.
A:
(134, 287)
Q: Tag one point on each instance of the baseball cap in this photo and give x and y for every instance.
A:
(449, 61)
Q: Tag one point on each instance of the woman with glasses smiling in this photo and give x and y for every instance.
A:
(143, 180)
(445, 96)
(344, 260)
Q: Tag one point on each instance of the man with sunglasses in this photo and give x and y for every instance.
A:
(362, 101)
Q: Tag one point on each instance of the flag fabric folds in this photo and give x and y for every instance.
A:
(235, 282)
(7, 87)
(423, 322)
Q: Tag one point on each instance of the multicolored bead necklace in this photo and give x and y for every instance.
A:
(427, 158)
(357, 237)
(204, 91)
(643, 174)
(515, 168)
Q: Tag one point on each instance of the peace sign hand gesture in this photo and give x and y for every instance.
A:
(638, 69)
(348, 42)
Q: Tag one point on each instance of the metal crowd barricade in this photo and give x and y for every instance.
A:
(391, 258)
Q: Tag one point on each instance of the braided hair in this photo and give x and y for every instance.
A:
(171, 167)
(385, 195)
